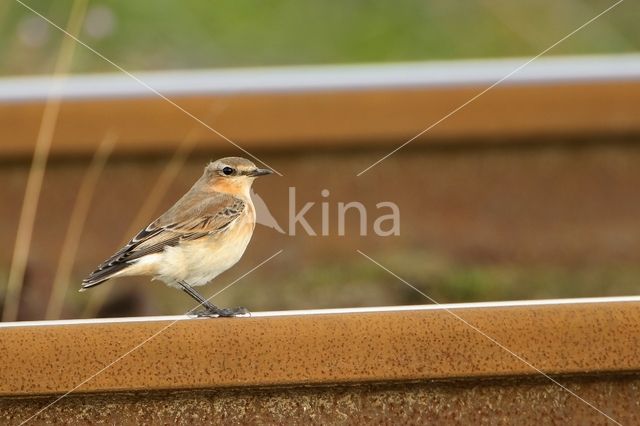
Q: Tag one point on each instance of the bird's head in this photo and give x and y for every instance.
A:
(233, 175)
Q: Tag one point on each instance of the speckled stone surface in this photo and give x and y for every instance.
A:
(486, 402)
(320, 349)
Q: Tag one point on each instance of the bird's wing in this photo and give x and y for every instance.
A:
(189, 219)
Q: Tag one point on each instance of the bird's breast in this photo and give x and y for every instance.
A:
(198, 262)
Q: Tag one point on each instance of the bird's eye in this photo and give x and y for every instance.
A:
(227, 171)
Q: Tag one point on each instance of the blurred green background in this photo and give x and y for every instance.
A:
(144, 35)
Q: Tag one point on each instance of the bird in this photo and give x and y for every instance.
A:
(202, 235)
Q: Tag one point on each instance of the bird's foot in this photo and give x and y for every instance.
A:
(215, 312)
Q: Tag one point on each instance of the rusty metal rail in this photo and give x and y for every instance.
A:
(386, 345)
(399, 354)
(290, 108)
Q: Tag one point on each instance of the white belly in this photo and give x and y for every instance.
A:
(198, 262)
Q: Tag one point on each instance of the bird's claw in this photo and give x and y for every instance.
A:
(220, 312)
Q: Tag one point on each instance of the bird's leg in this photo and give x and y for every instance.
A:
(197, 296)
(210, 310)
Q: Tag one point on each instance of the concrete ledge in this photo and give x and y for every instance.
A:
(580, 337)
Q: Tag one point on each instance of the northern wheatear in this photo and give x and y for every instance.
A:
(202, 235)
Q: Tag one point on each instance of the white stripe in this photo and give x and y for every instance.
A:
(409, 308)
(328, 77)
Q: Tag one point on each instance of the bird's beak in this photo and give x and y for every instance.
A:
(259, 172)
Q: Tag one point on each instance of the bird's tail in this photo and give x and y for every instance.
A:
(102, 274)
